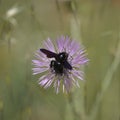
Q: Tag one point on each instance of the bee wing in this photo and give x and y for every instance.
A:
(48, 53)
(67, 65)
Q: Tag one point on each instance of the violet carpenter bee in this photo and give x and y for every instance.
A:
(60, 63)
(56, 67)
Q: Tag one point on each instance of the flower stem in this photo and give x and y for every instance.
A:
(76, 115)
(105, 84)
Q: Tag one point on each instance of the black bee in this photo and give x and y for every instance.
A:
(57, 67)
(60, 61)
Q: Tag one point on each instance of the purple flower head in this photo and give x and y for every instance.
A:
(60, 63)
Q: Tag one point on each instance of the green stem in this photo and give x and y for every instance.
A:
(76, 115)
(105, 84)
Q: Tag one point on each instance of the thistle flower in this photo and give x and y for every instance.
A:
(57, 72)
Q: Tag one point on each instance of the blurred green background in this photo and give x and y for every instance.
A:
(25, 24)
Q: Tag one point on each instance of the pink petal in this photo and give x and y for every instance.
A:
(39, 70)
(78, 74)
(38, 63)
(49, 45)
